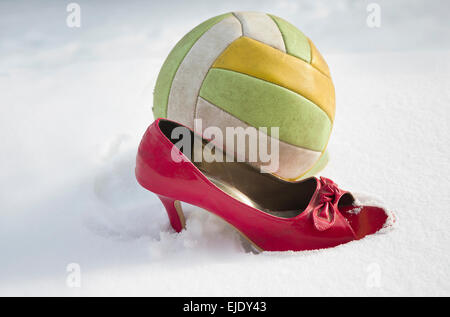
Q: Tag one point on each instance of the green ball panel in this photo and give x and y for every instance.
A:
(296, 42)
(263, 104)
(173, 61)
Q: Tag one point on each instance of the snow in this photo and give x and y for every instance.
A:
(75, 102)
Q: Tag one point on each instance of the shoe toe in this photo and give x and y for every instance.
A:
(365, 220)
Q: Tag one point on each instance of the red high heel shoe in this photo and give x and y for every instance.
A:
(272, 214)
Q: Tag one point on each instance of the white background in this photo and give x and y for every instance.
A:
(74, 103)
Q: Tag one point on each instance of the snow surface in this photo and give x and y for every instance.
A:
(75, 102)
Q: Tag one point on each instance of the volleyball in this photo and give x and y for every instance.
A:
(251, 69)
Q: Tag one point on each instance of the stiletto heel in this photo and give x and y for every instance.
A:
(176, 216)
